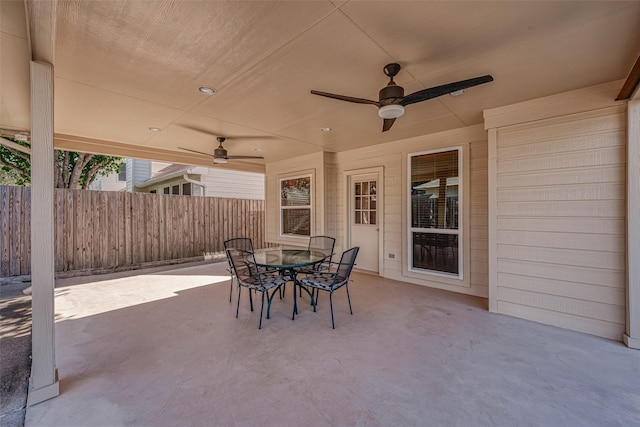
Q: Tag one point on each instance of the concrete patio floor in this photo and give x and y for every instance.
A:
(165, 349)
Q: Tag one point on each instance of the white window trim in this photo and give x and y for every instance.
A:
(310, 206)
(461, 218)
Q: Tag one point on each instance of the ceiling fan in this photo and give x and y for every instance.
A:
(220, 154)
(392, 100)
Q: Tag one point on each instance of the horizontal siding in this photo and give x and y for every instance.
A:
(589, 275)
(560, 236)
(563, 288)
(479, 205)
(593, 175)
(227, 183)
(595, 158)
(584, 324)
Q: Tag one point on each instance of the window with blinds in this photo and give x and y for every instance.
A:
(434, 226)
(295, 206)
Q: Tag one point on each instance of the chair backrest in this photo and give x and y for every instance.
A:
(324, 244)
(244, 243)
(243, 264)
(347, 261)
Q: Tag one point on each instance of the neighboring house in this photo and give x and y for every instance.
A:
(132, 170)
(111, 182)
(165, 178)
(201, 181)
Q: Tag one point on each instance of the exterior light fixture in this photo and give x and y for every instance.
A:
(392, 111)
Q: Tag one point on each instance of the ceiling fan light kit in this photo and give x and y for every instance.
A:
(392, 111)
(391, 98)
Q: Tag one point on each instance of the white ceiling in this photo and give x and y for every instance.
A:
(124, 66)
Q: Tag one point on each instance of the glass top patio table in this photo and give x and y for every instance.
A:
(288, 258)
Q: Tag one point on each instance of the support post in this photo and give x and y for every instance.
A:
(43, 383)
(632, 332)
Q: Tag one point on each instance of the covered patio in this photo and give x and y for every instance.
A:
(541, 177)
(144, 349)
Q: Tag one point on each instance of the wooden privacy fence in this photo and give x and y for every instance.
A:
(101, 230)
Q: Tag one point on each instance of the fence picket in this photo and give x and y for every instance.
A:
(101, 230)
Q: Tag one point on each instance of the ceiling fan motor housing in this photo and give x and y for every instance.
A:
(220, 152)
(390, 92)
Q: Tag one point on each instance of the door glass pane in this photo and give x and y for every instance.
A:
(365, 217)
(358, 203)
(373, 187)
(365, 203)
(358, 190)
(372, 217)
(357, 217)
(365, 188)
(372, 204)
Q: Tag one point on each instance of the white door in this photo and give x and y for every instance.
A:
(364, 219)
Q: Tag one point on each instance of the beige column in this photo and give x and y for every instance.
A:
(43, 383)
(632, 332)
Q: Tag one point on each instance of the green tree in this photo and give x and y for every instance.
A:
(71, 169)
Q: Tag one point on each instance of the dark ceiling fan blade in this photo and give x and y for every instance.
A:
(243, 157)
(346, 98)
(434, 92)
(199, 129)
(387, 124)
(194, 151)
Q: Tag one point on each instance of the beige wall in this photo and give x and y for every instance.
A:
(392, 157)
(330, 171)
(544, 207)
(558, 208)
(312, 164)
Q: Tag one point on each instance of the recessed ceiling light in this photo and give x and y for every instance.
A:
(325, 129)
(457, 92)
(154, 129)
(207, 90)
(258, 149)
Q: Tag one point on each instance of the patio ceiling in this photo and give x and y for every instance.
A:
(123, 67)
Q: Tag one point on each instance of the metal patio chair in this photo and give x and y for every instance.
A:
(247, 275)
(244, 243)
(324, 244)
(331, 281)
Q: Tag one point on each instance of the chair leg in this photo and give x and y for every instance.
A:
(230, 288)
(238, 305)
(251, 299)
(348, 297)
(261, 310)
(333, 324)
(295, 302)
